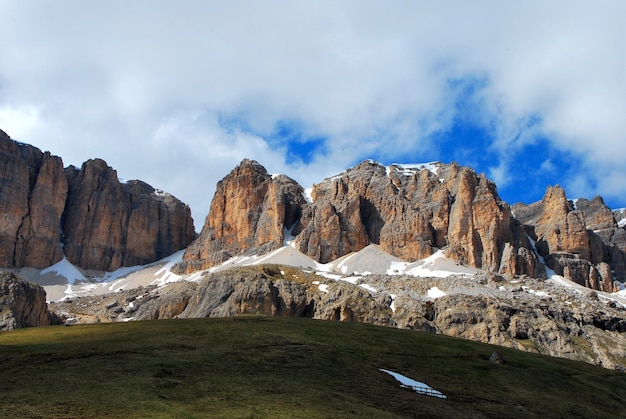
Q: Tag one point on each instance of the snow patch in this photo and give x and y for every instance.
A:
(307, 195)
(368, 288)
(323, 288)
(289, 238)
(435, 293)
(167, 276)
(418, 386)
(437, 265)
(65, 269)
(410, 169)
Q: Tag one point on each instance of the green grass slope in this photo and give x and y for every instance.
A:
(275, 367)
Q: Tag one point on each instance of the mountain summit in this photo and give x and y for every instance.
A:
(411, 211)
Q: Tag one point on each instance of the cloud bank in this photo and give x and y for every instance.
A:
(177, 93)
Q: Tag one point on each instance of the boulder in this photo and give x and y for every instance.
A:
(22, 304)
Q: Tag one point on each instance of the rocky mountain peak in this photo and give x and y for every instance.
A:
(409, 210)
(251, 209)
(579, 239)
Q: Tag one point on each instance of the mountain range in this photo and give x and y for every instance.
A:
(423, 246)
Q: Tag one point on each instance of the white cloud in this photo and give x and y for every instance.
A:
(147, 85)
(19, 121)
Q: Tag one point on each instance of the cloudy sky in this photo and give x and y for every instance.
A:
(176, 93)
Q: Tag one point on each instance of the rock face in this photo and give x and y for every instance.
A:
(408, 211)
(49, 212)
(411, 211)
(108, 224)
(251, 209)
(580, 240)
(33, 188)
(22, 304)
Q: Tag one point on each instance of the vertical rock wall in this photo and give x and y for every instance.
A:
(48, 212)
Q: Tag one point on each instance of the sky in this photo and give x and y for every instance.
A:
(177, 93)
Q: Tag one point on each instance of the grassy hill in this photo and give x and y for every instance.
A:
(274, 367)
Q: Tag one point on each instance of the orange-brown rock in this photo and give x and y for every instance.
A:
(108, 224)
(251, 209)
(88, 215)
(408, 211)
(579, 239)
(560, 228)
(33, 190)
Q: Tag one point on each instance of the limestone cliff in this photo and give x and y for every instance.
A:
(108, 224)
(251, 209)
(409, 212)
(33, 189)
(87, 215)
(580, 239)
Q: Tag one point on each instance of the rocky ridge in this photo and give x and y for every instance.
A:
(85, 214)
(411, 211)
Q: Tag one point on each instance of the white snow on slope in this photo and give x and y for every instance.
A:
(419, 387)
(65, 269)
(435, 293)
(307, 195)
(411, 168)
(63, 280)
(437, 265)
(165, 274)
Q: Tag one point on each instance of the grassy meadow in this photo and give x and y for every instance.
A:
(256, 367)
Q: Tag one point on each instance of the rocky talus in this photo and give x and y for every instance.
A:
(580, 240)
(85, 214)
(525, 313)
(22, 304)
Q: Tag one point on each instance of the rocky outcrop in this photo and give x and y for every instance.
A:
(524, 313)
(409, 211)
(87, 215)
(580, 239)
(33, 188)
(251, 210)
(108, 224)
(22, 304)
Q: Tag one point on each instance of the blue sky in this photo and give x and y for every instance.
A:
(177, 93)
